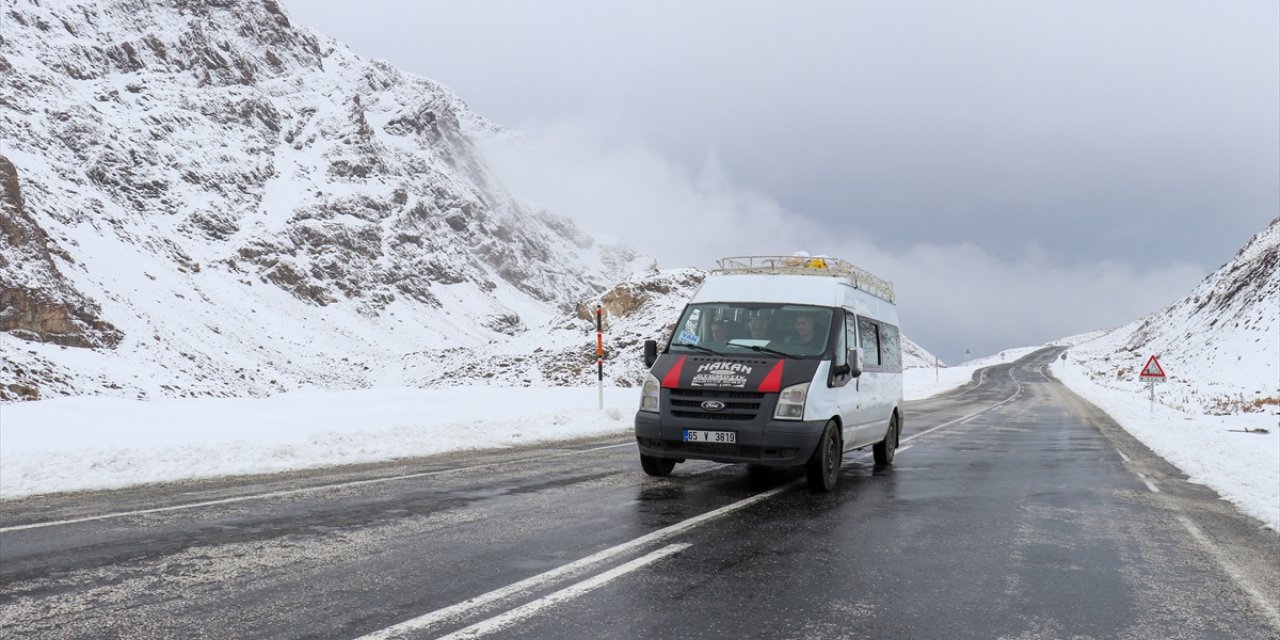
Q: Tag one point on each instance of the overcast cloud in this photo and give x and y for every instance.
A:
(1021, 171)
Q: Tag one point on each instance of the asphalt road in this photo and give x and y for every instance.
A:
(1014, 510)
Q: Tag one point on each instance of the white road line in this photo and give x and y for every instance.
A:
(982, 376)
(498, 623)
(970, 416)
(1259, 600)
(1122, 455)
(462, 608)
(1150, 485)
(291, 492)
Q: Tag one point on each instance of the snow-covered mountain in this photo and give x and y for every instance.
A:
(200, 198)
(915, 356)
(1219, 346)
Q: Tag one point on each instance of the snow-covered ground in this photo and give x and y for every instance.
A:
(95, 442)
(1236, 454)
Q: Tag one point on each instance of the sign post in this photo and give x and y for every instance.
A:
(600, 354)
(1152, 373)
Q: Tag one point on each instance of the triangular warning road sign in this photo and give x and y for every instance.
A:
(1152, 370)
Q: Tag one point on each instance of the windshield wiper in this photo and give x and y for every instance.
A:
(773, 351)
(698, 347)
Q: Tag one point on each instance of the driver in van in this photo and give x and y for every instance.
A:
(804, 334)
(758, 327)
(720, 331)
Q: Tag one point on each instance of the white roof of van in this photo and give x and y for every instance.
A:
(794, 285)
(810, 266)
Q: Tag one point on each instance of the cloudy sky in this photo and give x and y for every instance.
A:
(1022, 171)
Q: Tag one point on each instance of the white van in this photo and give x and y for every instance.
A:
(776, 360)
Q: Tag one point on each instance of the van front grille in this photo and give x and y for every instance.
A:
(728, 406)
(723, 417)
(739, 406)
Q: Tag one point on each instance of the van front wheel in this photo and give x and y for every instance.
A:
(823, 469)
(657, 467)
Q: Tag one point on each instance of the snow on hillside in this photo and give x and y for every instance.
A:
(1219, 345)
(562, 352)
(202, 199)
(1217, 417)
(915, 356)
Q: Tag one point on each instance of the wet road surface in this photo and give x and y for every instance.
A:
(1014, 510)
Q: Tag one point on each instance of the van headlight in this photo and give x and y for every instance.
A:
(791, 402)
(649, 393)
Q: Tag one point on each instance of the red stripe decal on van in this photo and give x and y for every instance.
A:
(772, 382)
(672, 379)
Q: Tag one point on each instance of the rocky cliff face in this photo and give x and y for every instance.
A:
(211, 200)
(36, 302)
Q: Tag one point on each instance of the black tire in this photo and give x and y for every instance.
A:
(657, 467)
(883, 451)
(823, 468)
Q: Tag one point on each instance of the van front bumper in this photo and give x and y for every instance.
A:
(764, 442)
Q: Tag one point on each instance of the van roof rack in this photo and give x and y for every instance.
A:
(810, 266)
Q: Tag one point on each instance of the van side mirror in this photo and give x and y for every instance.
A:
(855, 361)
(650, 352)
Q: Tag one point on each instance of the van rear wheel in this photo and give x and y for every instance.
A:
(657, 467)
(883, 451)
(823, 468)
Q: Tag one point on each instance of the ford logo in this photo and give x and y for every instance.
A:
(713, 405)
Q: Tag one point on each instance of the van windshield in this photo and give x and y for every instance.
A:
(740, 328)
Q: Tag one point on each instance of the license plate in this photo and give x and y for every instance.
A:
(714, 437)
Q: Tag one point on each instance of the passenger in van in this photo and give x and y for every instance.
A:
(758, 327)
(720, 331)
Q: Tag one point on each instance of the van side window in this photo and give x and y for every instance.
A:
(870, 332)
(891, 347)
(691, 325)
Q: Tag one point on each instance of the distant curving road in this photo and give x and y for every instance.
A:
(1014, 510)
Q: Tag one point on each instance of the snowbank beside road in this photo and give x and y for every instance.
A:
(71, 444)
(1216, 451)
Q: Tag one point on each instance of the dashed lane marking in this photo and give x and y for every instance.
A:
(465, 607)
(514, 616)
